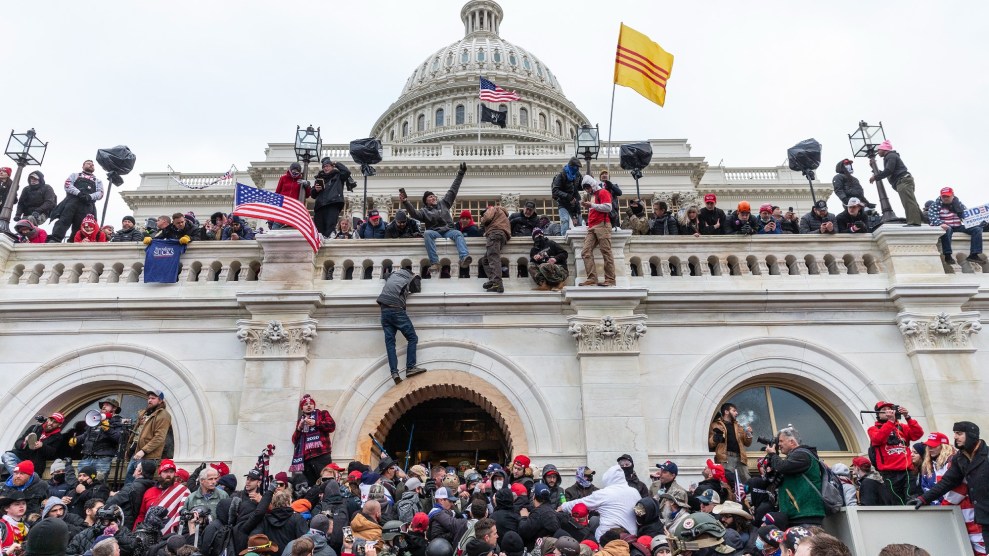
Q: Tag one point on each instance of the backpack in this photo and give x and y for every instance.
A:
(831, 491)
(407, 508)
(466, 538)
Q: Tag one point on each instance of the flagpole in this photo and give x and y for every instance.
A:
(479, 105)
(611, 118)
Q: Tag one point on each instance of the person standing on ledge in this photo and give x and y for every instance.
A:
(435, 215)
(900, 179)
(598, 233)
(398, 286)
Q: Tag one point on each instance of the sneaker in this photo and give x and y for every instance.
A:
(396, 377)
(465, 262)
(607, 284)
(588, 283)
(975, 258)
(434, 270)
(413, 371)
(949, 259)
(487, 285)
(497, 288)
(29, 441)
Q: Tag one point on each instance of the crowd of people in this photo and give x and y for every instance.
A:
(433, 509)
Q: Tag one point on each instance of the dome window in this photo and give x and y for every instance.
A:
(440, 117)
(449, 59)
(436, 63)
(460, 115)
(421, 123)
(464, 57)
(539, 69)
(497, 56)
(405, 129)
(559, 128)
(523, 117)
(512, 60)
(542, 121)
(525, 63)
(480, 55)
(391, 136)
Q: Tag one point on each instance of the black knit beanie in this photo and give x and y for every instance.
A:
(48, 537)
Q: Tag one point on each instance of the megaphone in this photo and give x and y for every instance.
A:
(93, 418)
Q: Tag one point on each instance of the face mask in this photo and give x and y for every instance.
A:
(848, 168)
(759, 544)
(499, 484)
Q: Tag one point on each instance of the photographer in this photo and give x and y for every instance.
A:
(728, 440)
(194, 523)
(799, 477)
(328, 192)
(853, 220)
(890, 447)
(109, 522)
(636, 218)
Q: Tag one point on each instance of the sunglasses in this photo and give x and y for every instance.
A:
(280, 485)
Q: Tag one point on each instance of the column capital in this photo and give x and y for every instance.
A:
(607, 335)
(276, 339)
(940, 333)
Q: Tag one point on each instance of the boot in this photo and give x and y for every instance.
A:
(487, 285)
(497, 288)
(413, 371)
(465, 262)
(589, 282)
(396, 377)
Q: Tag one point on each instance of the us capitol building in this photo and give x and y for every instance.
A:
(802, 330)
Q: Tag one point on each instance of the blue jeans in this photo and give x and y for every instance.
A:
(565, 222)
(10, 461)
(397, 320)
(974, 231)
(102, 465)
(432, 235)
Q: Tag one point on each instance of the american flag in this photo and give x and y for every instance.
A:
(258, 203)
(493, 93)
(172, 500)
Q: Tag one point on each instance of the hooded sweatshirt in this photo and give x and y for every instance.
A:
(614, 503)
(39, 197)
(36, 235)
(95, 234)
(556, 496)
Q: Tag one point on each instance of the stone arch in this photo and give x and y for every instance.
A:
(836, 381)
(62, 380)
(463, 370)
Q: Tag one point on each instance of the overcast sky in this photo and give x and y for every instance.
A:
(201, 85)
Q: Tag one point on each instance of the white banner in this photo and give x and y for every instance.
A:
(975, 216)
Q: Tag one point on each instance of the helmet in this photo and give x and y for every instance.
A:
(694, 532)
(473, 478)
(391, 529)
(439, 547)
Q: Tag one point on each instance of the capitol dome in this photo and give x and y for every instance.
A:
(440, 101)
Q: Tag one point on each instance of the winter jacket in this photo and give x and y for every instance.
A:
(522, 225)
(98, 442)
(566, 191)
(367, 230)
(790, 226)
(505, 515)
(219, 534)
(973, 470)
(616, 547)
(84, 540)
(893, 169)
(638, 223)
(411, 230)
(717, 441)
(319, 540)
(244, 232)
(556, 496)
(934, 211)
(616, 192)
(797, 497)
(710, 218)
(365, 528)
(872, 491)
(811, 222)
(846, 185)
(290, 187)
(778, 229)
(614, 503)
(551, 250)
(845, 221)
(496, 219)
(171, 232)
(198, 498)
(542, 521)
(437, 217)
(333, 185)
(35, 490)
(739, 226)
(399, 284)
(445, 524)
(648, 522)
(122, 235)
(894, 457)
(575, 491)
(152, 438)
(95, 490)
(408, 506)
(35, 235)
(83, 187)
(51, 445)
(665, 225)
(129, 498)
(283, 525)
(470, 230)
(39, 198)
(96, 235)
(325, 425)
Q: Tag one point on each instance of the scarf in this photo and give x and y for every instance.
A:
(584, 483)
(308, 438)
(571, 172)
(18, 527)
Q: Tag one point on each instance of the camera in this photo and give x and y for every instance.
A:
(40, 418)
(767, 442)
(107, 514)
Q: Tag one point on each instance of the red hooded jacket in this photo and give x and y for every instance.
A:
(894, 457)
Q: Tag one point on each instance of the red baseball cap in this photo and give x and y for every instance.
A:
(862, 462)
(710, 198)
(579, 510)
(166, 464)
(936, 439)
(519, 489)
(221, 468)
(355, 476)
(522, 460)
(947, 191)
(334, 467)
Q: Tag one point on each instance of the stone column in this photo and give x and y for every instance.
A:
(619, 239)
(277, 337)
(607, 335)
(936, 329)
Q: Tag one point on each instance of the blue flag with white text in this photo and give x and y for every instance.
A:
(161, 261)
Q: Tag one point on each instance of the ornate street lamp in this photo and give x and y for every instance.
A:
(864, 142)
(25, 149)
(587, 144)
(308, 147)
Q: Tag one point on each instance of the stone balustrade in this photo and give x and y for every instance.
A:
(644, 261)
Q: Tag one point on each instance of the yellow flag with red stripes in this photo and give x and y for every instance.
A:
(642, 65)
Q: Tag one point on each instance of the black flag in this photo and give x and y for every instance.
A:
(495, 117)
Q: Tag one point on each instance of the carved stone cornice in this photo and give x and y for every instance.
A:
(275, 339)
(939, 333)
(607, 335)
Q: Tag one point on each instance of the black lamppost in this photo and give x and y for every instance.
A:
(25, 149)
(308, 147)
(864, 141)
(588, 144)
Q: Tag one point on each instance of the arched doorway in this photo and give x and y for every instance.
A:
(447, 431)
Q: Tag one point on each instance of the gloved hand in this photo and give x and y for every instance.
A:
(84, 197)
(37, 217)
(916, 503)
(147, 240)
(463, 168)
(746, 229)
(719, 437)
(184, 240)
(304, 183)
